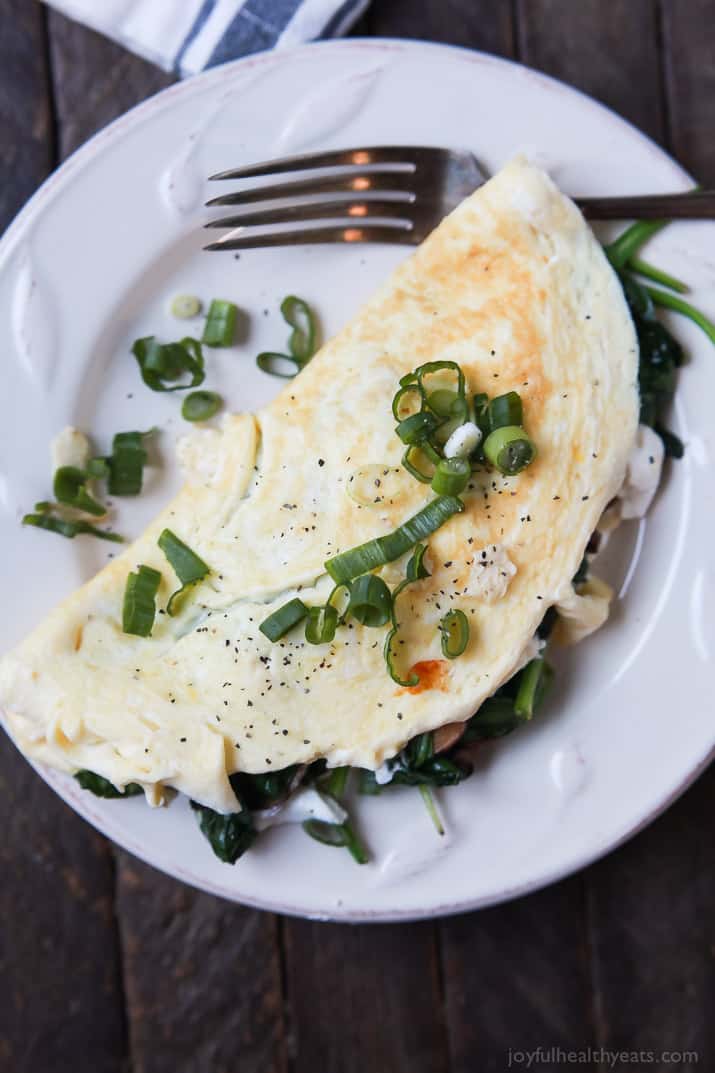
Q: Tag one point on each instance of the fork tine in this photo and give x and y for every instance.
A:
(316, 235)
(329, 208)
(376, 156)
(399, 184)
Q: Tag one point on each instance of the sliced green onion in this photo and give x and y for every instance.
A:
(415, 454)
(630, 241)
(162, 363)
(404, 392)
(201, 405)
(417, 428)
(505, 410)
(278, 364)
(101, 787)
(139, 608)
(70, 529)
(370, 601)
(301, 318)
(454, 633)
(187, 566)
(340, 600)
(481, 410)
(385, 549)
(98, 467)
(431, 367)
(669, 301)
(70, 488)
(390, 656)
(126, 464)
(533, 683)
(321, 624)
(441, 402)
(301, 343)
(284, 619)
(431, 807)
(220, 323)
(185, 306)
(509, 449)
(451, 476)
(416, 569)
(336, 834)
(643, 268)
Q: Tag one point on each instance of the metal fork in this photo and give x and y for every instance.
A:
(388, 194)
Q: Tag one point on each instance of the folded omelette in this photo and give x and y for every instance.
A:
(512, 286)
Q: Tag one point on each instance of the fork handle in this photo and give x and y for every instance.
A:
(693, 205)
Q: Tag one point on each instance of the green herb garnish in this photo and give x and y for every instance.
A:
(454, 633)
(187, 565)
(220, 323)
(201, 405)
(385, 549)
(139, 608)
(70, 488)
(284, 619)
(302, 342)
(161, 364)
(66, 528)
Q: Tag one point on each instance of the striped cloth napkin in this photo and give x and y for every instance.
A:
(186, 36)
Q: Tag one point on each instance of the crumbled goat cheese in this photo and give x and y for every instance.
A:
(490, 574)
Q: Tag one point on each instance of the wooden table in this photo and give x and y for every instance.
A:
(107, 966)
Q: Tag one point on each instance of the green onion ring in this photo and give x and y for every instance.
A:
(509, 449)
(187, 566)
(505, 410)
(70, 529)
(451, 476)
(139, 607)
(370, 601)
(162, 362)
(417, 427)
(454, 633)
(402, 393)
(321, 624)
(284, 619)
(200, 405)
(301, 318)
(70, 488)
(220, 323)
(385, 549)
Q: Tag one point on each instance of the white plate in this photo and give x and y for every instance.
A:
(90, 264)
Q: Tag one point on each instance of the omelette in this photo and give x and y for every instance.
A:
(514, 289)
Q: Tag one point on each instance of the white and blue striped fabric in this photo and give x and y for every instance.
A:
(186, 36)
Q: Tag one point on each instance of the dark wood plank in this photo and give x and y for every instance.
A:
(202, 979)
(59, 959)
(689, 42)
(26, 146)
(59, 955)
(364, 998)
(608, 50)
(518, 977)
(95, 80)
(653, 934)
(479, 24)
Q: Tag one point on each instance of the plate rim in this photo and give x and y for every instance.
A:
(80, 158)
